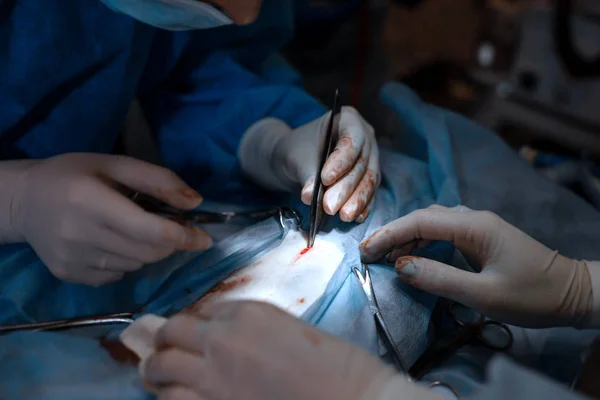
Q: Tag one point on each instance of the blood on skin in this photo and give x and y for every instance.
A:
(119, 352)
(221, 287)
(312, 337)
(303, 252)
(337, 164)
(224, 286)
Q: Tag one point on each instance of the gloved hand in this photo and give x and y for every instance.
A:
(521, 282)
(242, 12)
(280, 158)
(248, 350)
(70, 210)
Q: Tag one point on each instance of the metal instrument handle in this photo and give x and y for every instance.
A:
(111, 319)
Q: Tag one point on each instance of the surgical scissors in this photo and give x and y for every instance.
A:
(152, 205)
(382, 329)
(472, 325)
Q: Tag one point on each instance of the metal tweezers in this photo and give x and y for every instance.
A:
(316, 207)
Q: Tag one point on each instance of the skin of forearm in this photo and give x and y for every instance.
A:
(11, 178)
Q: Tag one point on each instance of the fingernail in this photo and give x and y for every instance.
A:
(349, 210)
(191, 194)
(345, 216)
(197, 240)
(405, 267)
(364, 245)
(363, 216)
(307, 193)
(329, 178)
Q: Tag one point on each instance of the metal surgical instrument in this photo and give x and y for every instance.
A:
(150, 204)
(283, 216)
(83, 322)
(382, 329)
(492, 334)
(316, 207)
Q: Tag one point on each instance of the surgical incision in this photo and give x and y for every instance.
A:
(292, 276)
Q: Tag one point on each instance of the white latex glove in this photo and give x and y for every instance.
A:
(521, 282)
(70, 210)
(280, 158)
(242, 12)
(254, 351)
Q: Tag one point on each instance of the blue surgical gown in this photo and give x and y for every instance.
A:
(70, 70)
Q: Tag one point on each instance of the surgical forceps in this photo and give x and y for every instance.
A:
(382, 329)
(493, 335)
(316, 207)
(150, 204)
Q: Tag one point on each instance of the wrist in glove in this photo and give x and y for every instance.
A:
(258, 156)
(575, 306)
(592, 319)
(12, 177)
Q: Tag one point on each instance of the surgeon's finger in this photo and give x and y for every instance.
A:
(437, 207)
(104, 240)
(174, 366)
(81, 274)
(125, 247)
(400, 252)
(307, 191)
(178, 393)
(153, 180)
(242, 12)
(103, 261)
(443, 280)
(362, 217)
(407, 249)
(337, 195)
(365, 190)
(228, 311)
(351, 139)
(359, 199)
(184, 331)
(466, 231)
(122, 215)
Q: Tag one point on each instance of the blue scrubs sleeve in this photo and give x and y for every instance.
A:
(216, 91)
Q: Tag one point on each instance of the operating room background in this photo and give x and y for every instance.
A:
(500, 62)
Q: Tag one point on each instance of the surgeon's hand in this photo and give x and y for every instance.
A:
(281, 158)
(70, 209)
(248, 350)
(242, 12)
(521, 281)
